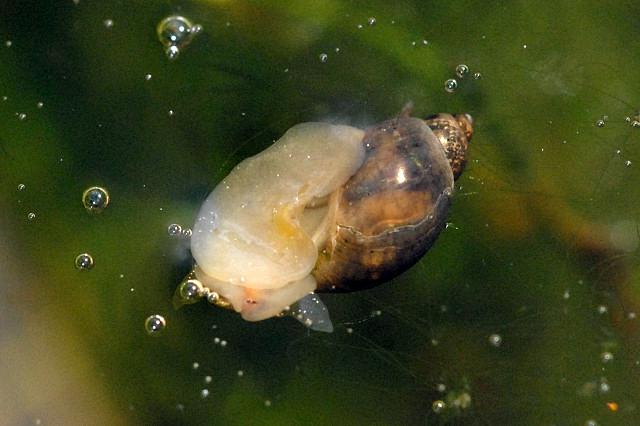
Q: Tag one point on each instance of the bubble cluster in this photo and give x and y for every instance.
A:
(95, 199)
(84, 262)
(175, 33)
(155, 324)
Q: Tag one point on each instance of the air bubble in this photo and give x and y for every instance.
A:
(462, 70)
(84, 262)
(148, 77)
(174, 230)
(627, 163)
(187, 232)
(8, 43)
(324, 57)
(495, 340)
(175, 33)
(154, 325)
(21, 187)
(22, 116)
(190, 291)
(95, 199)
(39, 105)
(602, 309)
(195, 365)
(267, 403)
(108, 23)
(606, 357)
(450, 85)
(600, 123)
(213, 297)
(31, 215)
(204, 393)
(208, 379)
(477, 76)
(371, 21)
(240, 373)
(438, 406)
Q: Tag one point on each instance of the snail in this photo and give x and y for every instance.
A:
(327, 208)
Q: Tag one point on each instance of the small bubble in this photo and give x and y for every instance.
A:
(154, 325)
(22, 116)
(600, 123)
(187, 232)
(349, 330)
(171, 112)
(606, 357)
(190, 291)
(175, 33)
(635, 123)
(602, 309)
(627, 163)
(441, 387)
(174, 230)
(425, 42)
(462, 70)
(223, 343)
(371, 21)
(31, 215)
(148, 77)
(84, 262)
(39, 105)
(108, 23)
(8, 43)
(208, 379)
(95, 199)
(477, 76)
(438, 406)
(240, 373)
(631, 315)
(603, 386)
(195, 365)
(204, 393)
(324, 57)
(21, 187)
(450, 85)
(267, 403)
(213, 297)
(566, 295)
(495, 340)
(590, 422)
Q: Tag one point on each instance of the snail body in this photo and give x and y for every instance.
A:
(327, 208)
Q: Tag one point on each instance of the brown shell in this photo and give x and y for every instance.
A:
(392, 210)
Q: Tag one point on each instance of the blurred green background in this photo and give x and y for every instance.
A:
(524, 312)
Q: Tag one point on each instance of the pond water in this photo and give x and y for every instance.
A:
(524, 312)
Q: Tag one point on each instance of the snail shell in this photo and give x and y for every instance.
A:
(328, 208)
